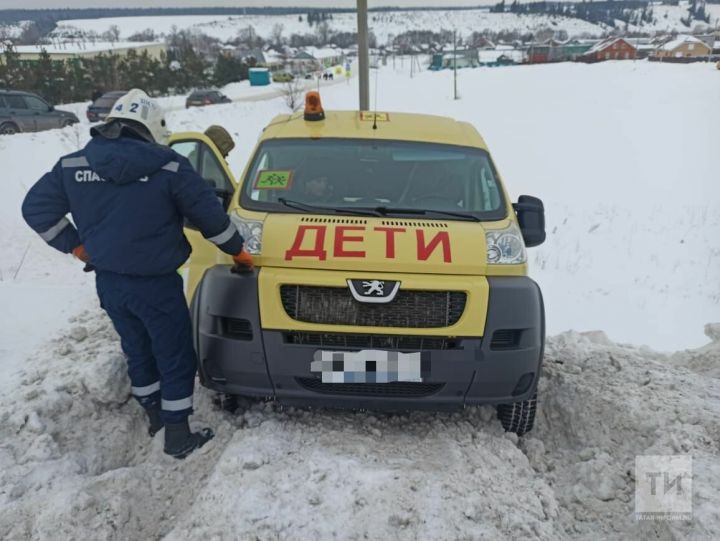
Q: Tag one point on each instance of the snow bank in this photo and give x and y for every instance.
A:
(39, 287)
(705, 360)
(75, 460)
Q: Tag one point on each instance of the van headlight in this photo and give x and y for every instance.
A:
(251, 231)
(505, 246)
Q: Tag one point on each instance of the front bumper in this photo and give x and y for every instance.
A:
(237, 356)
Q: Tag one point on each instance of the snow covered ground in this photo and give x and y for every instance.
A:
(623, 154)
(67, 47)
(12, 31)
(668, 19)
(382, 24)
(385, 24)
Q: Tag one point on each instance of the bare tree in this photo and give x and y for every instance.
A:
(146, 35)
(30, 34)
(292, 92)
(323, 33)
(248, 36)
(112, 34)
(276, 34)
(544, 34)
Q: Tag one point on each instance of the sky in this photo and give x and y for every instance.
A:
(42, 4)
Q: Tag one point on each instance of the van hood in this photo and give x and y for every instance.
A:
(374, 244)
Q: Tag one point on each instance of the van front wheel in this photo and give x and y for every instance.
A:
(518, 417)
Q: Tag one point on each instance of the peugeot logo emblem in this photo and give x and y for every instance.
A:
(374, 291)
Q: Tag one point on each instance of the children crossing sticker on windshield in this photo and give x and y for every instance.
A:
(274, 179)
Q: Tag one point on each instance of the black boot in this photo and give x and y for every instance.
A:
(180, 442)
(154, 419)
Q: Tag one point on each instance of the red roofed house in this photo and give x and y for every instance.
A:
(610, 49)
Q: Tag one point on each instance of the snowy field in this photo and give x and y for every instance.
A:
(384, 25)
(624, 154)
(12, 31)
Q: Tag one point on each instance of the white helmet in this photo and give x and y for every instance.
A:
(138, 106)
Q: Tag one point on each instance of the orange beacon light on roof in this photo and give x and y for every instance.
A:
(313, 106)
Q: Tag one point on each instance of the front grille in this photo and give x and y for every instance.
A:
(371, 341)
(336, 306)
(398, 389)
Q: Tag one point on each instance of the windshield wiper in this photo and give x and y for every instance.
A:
(422, 212)
(319, 208)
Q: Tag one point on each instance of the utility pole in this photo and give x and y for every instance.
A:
(455, 94)
(363, 55)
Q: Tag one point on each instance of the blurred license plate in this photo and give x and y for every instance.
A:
(368, 366)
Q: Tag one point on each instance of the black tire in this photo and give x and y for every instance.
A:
(8, 128)
(518, 417)
(67, 123)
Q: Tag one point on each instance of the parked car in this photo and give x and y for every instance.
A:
(25, 112)
(101, 107)
(200, 98)
(282, 77)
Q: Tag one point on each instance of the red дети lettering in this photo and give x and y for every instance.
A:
(318, 251)
(425, 250)
(390, 233)
(341, 239)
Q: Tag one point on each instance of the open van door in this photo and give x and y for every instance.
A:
(209, 163)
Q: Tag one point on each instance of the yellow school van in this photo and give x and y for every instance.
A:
(391, 268)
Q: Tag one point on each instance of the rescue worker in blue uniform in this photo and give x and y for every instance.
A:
(128, 194)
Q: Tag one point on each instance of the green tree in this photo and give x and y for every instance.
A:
(12, 74)
(78, 84)
(47, 77)
(228, 69)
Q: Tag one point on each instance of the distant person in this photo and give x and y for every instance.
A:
(128, 194)
(96, 95)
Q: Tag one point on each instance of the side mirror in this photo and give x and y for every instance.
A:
(531, 216)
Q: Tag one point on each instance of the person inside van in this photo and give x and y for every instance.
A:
(315, 188)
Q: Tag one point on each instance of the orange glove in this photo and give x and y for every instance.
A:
(81, 254)
(243, 262)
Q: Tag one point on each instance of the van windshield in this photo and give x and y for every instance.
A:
(399, 178)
